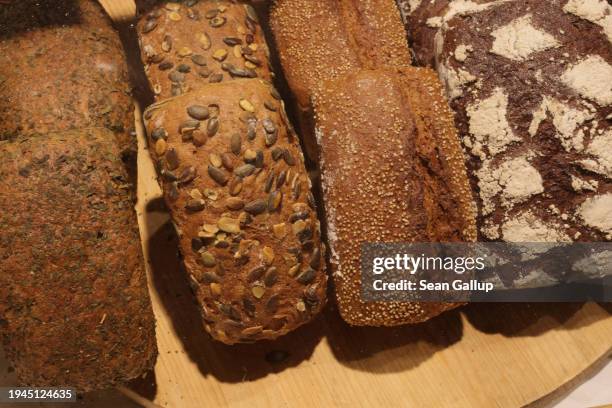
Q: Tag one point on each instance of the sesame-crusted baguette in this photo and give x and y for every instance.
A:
(235, 183)
(323, 40)
(60, 69)
(392, 171)
(186, 45)
(75, 309)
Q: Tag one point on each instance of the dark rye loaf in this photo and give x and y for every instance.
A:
(61, 68)
(537, 131)
(74, 308)
(189, 44)
(392, 171)
(234, 180)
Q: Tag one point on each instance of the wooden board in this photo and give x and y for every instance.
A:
(489, 355)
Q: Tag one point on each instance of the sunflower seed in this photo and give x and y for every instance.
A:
(251, 129)
(250, 155)
(226, 66)
(196, 244)
(227, 161)
(168, 175)
(187, 175)
(245, 170)
(271, 276)
(275, 93)
(242, 73)
(220, 54)
(167, 43)
(271, 138)
(269, 106)
(172, 159)
(249, 307)
(235, 186)
(198, 112)
(160, 147)
(288, 157)
(231, 41)
(217, 175)
(315, 259)
(272, 303)
(274, 200)
(212, 127)
(252, 59)
(307, 276)
(215, 160)
(301, 215)
(251, 331)
(277, 153)
(246, 105)
(256, 274)
(204, 72)
(258, 291)
(250, 13)
(255, 207)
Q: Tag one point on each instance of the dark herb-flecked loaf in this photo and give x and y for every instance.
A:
(74, 305)
(392, 171)
(189, 44)
(234, 179)
(75, 309)
(323, 40)
(61, 68)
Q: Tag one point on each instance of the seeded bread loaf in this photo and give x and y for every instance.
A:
(47, 48)
(234, 179)
(75, 309)
(392, 171)
(74, 306)
(538, 131)
(323, 40)
(185, 45)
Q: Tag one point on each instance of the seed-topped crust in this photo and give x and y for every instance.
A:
(189, 44)
(75, 308)
(61, 69)
(241, 201)
(323, 40)
(393, 172)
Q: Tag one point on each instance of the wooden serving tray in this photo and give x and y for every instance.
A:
(504, 355)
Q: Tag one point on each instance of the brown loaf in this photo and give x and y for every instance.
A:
(74, 308)
(323, 40)
(234, 179)
(184, 46)
(537, 133)
(392, 171)
(61, 68)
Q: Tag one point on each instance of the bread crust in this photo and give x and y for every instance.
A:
(241, 202)
(393, 172)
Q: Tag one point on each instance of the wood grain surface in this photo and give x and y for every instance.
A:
(482, 355)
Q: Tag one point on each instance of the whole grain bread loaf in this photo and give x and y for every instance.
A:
(74, 306)
(186, 45)
(323, 40)
(537, 131)
(75, 309)
(235, 183)
(392, 171)
(61, 68)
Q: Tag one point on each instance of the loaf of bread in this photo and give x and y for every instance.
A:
(234, 180)
(74, 306)
(235, 183)
(61, 69)
(531, 86)
(323, 40)
(188, 45)
(392, 171)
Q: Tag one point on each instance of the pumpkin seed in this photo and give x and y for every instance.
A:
(204, 40)
(198, 112)
(212, 127)
(217, 175)
(208, 259)
(195, 204)
(210, 277)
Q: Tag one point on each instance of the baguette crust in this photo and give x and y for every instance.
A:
(75, 309)
(398, 153)
(239, 195)
(211, 41)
